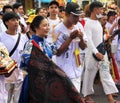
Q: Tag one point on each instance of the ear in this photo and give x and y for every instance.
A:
(15, 10)
(6, 23)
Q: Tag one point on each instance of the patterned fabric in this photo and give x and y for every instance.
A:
(47, 49)
(47, 82)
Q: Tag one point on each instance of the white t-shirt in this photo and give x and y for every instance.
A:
(94, 33)
(52, 24)
(2, 26)
(9, 41)
(67, 60)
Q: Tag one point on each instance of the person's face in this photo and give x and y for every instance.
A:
(8, 10)
(112, 18)
(41, 12)
(99, 10)
(43, 28)
(103, 20)
(20, 10)
(61, 14)
(53, 9)
(12, 24)
(73, 19)
(45, 13)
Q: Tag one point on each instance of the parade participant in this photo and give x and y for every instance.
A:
(52, 84)
(41, 28)
(70, 43)
(95, 37)
(14, 43)
(53, 9)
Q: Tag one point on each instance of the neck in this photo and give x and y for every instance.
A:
(93, 16)
(110, 21)
(53, 17)
(11, 32)
(68, 25)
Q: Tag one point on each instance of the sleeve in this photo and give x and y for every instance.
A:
(89, 35)
(60, 39)
(26, 55)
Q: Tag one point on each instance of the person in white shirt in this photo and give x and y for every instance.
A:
(94, 32)
(53, 19)
(70, 41)
(18, 8)
(6, 8)
(9, 38)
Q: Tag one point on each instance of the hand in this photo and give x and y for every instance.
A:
(80, 34)
(100, 56)
(74, 34)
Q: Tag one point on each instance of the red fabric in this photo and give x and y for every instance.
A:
(82, 22)
(117, 76)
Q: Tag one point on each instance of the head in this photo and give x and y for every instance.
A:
(11, 20)
(96, 8)
(61, 13)
(39, 11)
(72, 12)
(111, 16)
(18, 8)
(103, 19)
(53, 8)
(7, 8)
(40, 26)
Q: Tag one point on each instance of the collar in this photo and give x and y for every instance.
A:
(37, 38)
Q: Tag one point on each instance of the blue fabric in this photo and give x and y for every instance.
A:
(24, 92)
(47, 49)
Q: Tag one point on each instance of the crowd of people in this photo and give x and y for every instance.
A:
(69, 37)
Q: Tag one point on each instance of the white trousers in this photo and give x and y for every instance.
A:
(105, 76)
(14, 90)
(77, 83)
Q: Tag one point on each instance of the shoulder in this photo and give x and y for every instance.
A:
(59, 27)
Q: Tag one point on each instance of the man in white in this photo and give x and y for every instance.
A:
(69, 43)
(9, 39)
(94, 32)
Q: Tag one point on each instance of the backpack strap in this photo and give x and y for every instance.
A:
(16, 45)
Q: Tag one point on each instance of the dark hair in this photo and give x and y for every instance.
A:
(53, 3)
(36, 22)
(9, 15)
(6, 7)
(16, 5)
(61, 8)
(95, 4)
(119, 22)
(111, 13)
(37, 10)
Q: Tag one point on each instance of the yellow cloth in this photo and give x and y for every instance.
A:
(30, 18)
(75, 1)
